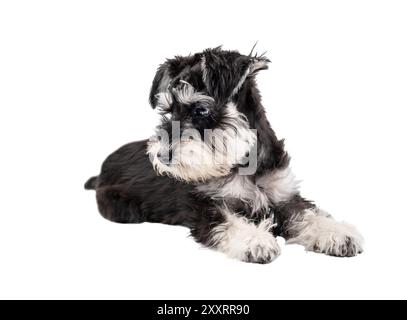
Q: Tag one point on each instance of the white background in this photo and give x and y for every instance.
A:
(74, 83)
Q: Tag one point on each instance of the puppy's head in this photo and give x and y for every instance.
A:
(203, 133)
(215, 72)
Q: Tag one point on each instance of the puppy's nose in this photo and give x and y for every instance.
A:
(200, 112)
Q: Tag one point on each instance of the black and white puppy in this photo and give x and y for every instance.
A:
(216, 166)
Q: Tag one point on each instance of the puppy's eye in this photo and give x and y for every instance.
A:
(199, 110)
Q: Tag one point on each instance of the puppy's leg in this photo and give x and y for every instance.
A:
(301, 222)
(237, 237)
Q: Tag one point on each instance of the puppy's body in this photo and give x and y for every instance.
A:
(128, 190)
(238, 214)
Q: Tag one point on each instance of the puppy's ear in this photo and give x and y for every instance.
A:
(257, 64)
(224, 72)
(161, 83)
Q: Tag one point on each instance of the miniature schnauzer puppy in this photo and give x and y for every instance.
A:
(216, 166)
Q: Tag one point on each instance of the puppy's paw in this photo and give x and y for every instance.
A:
(262, 250)
(243, 240)
(325, 235)
(339, 245)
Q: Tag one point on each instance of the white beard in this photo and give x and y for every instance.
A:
(197, 160)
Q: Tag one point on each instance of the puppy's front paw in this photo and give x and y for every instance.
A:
(261, 250)
(243, 240)
(339, 245)
(325, 235)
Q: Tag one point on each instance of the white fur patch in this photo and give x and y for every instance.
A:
(187, 94)
(194, 159)
(238, 187)
(204, 70)
(280, 185)
(238, 137)
(241, 239)
(318, 232)
(259, 64)
(241, 81)
(164, 101)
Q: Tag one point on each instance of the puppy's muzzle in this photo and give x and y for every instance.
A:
(165, 156)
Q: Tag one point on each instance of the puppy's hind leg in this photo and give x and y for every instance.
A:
(237, 237)
(116, 206)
